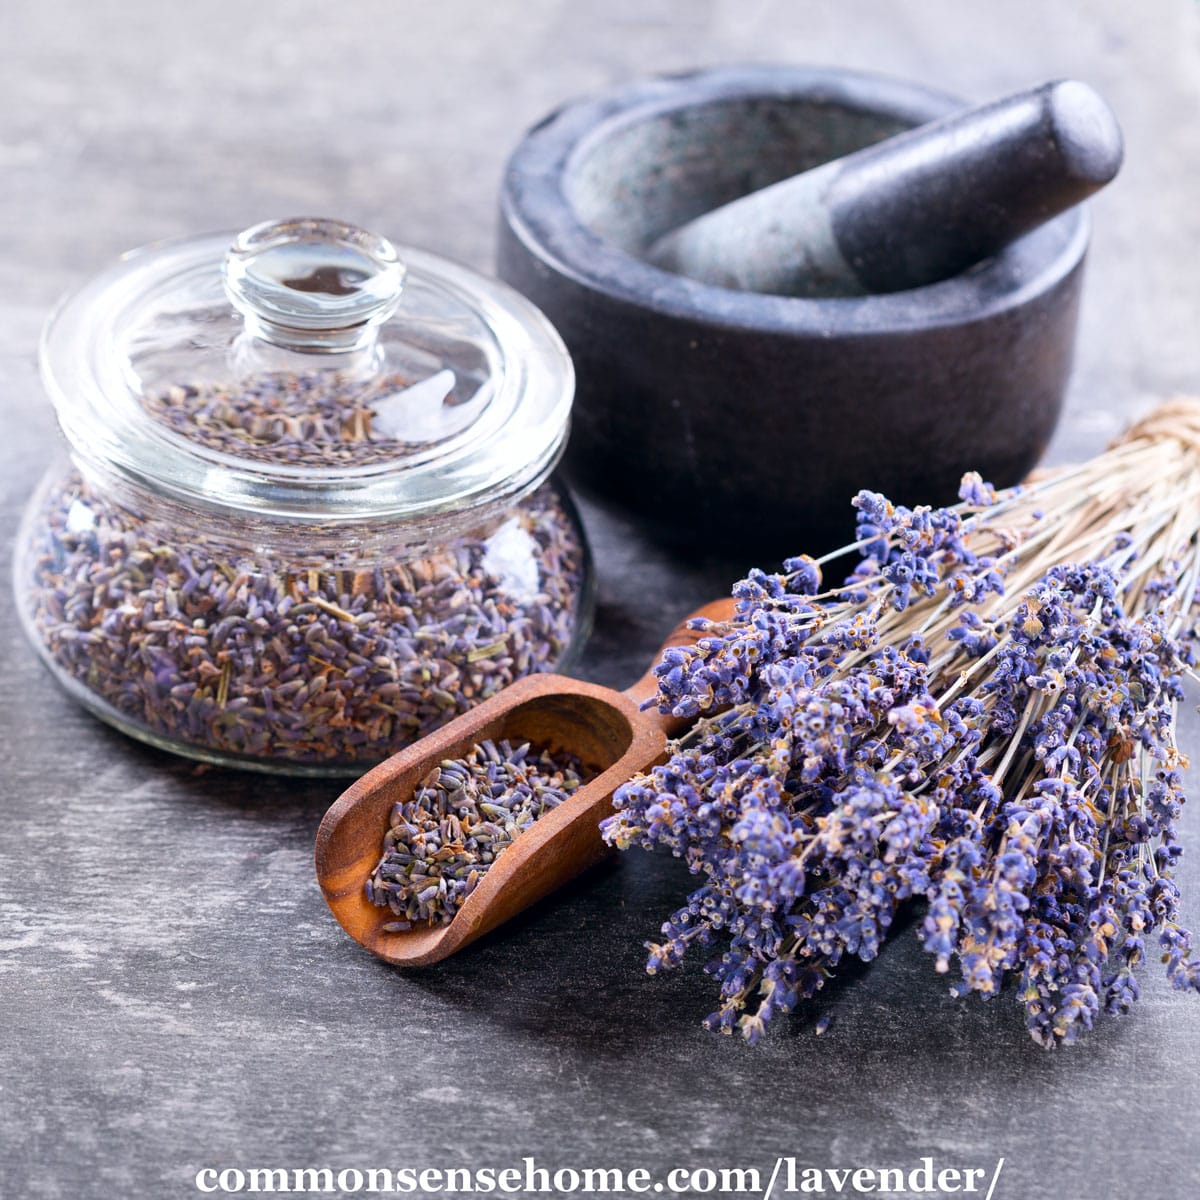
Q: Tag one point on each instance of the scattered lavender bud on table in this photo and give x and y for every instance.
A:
(462, 817)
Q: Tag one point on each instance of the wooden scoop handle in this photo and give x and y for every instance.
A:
(681, 635)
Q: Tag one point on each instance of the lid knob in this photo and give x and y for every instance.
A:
(313, 285)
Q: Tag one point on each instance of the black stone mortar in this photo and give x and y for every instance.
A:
(747, 421)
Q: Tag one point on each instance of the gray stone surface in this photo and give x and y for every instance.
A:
(173, 992)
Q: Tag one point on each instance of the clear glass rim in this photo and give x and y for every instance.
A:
(507, 452)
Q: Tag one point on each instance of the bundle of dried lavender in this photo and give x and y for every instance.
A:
(981, 717)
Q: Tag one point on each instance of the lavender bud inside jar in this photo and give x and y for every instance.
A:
(307, 513)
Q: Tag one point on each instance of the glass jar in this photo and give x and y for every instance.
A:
(307, 513)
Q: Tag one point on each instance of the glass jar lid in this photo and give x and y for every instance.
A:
(306, 369)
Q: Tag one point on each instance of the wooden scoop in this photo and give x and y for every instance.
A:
(608, 731)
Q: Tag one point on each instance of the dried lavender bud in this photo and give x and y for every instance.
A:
(316, 418)
(192, 642)
(968, 722)
(462, 817)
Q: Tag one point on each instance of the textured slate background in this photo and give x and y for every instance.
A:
(173, 992)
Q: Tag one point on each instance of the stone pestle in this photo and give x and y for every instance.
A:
(914, 209)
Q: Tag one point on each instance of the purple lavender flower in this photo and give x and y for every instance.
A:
(966, 723)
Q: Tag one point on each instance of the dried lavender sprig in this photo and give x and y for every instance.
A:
(971, 720)
(462, 817)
